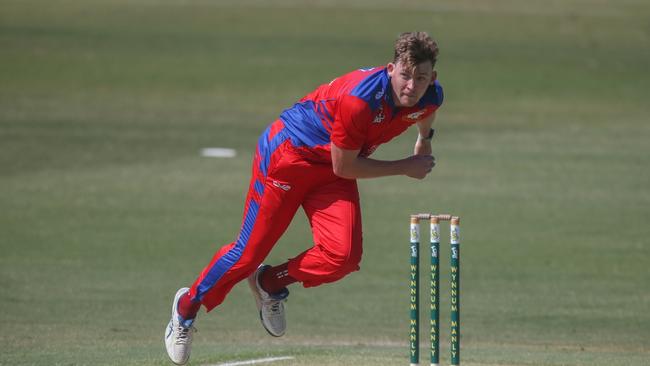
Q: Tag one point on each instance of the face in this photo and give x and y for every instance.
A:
(410, 84)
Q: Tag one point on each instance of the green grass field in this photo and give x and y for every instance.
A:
(107, 207)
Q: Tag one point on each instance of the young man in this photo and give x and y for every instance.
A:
(311, 157)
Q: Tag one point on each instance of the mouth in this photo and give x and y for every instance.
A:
(408, 97)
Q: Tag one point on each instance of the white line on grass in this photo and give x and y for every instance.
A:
(252, 362)
(218, 152)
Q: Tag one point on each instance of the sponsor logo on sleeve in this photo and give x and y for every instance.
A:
(416, 115)
(368, 150)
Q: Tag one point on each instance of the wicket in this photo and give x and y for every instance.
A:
(414, 336)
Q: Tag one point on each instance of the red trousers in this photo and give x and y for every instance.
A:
(282, 181)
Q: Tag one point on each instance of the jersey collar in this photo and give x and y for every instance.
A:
(388, 95)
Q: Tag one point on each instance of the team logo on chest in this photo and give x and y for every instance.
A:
(416, 115)
(379, 118)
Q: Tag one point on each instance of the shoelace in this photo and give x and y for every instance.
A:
(183, 334)
(275, 308)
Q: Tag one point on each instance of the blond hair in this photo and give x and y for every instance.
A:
(413, 48)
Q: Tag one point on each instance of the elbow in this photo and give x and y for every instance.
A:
(344, 162)
(341, 171)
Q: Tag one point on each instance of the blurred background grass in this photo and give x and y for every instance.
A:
(107, 207)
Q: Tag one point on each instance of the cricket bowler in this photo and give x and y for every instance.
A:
(311, 157)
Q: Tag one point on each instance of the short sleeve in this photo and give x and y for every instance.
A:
(351, 122)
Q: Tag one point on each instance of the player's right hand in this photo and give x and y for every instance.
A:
(418, 166)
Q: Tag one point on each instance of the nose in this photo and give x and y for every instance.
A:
(409, 84)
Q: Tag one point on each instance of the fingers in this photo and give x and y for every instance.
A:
(430, 162)
(422, 166)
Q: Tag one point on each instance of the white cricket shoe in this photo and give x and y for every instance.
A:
(271, 306)
(178, 334)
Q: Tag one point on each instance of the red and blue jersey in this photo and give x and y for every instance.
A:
(355, 112)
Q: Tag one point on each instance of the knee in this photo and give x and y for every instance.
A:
(341, 264)
(246, 265)
(322, 264)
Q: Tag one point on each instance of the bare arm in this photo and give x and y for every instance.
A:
(348, 164)
(422, 145)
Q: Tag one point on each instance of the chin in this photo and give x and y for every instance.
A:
(409, 102)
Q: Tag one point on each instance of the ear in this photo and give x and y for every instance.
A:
(434, 76)
(390, 68)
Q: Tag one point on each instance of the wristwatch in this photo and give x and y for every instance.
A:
(431, 132)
